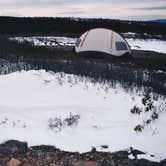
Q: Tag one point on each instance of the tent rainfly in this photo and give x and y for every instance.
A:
(102, 41)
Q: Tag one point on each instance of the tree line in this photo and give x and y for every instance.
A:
(73, 26)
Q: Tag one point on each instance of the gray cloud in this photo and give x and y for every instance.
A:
(145, 17)
(126, 9)
(151, 8)
(72, 12)
(57, 2)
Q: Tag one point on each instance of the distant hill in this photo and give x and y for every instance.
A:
(159, 21)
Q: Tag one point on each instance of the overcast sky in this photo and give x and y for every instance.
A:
(115, 9)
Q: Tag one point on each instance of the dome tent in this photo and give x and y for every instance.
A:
(101, 41)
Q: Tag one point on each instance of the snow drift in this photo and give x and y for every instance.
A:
(30, 99)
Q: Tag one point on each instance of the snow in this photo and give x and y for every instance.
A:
(46, 40)
(138, 44)
(129, 33)
(148, 44)
(30, 98)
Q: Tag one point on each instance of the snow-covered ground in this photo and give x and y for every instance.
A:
(148, 44)
(46, 40)
(138, 44)
(30, 99)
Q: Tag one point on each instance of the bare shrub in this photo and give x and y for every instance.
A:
(72, 119)
(57, 124)
(136, 110)
(148, 106)
(139, 128)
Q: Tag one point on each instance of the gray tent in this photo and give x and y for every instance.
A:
(104, 41)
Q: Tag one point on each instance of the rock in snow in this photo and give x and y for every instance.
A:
(50, 156)
(12, 147)
(13, 162)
